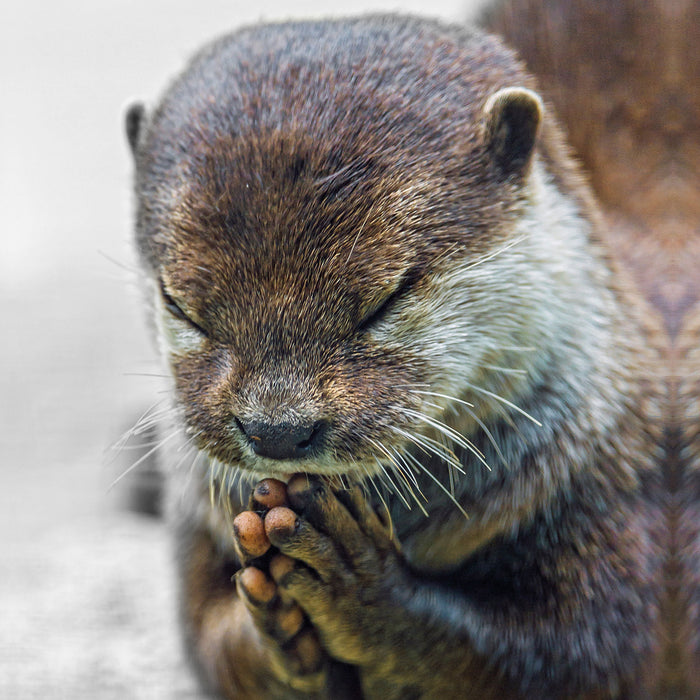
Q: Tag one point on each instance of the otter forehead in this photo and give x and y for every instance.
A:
(417, 86)
(339, 111)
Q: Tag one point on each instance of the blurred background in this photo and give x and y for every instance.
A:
(86, 586)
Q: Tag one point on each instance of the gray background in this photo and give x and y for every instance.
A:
(86, 594)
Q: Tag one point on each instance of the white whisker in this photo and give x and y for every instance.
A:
(431, 447)
(469, 406)
(494, 254)
(192, 467)
(442, 487)
(397, 467)
(394, 489)
(506, 402)
(136, 428)
(450, 433)
(143, 458)
(505, 370)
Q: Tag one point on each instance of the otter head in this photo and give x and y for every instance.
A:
(316, 205)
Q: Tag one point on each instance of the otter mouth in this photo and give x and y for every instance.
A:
(253, 469)
(284, 471)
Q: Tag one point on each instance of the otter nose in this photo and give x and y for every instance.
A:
(284, 440)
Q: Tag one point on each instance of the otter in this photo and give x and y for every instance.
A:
(418, 434)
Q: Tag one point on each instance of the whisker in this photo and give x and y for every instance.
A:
(145, 374)
(121, 441)
(381, 477)
(443, 428)
(452, 434)
(505, 370)
(469, 406)
(442, 487)
(155, 416)
(431, 447)
(143, 458)
(240, 487)
(393, 486)
(392, 457)
(450, 470)
(499, 251)
(131, 269)
(357, 237)
(386, 508)
(445, 254)
(442, 396)
(138, 446)
(405, 468)
(213, 473)
(406, 472)
(436, 406)
(398, 481)
(506, 402)
(192, 467)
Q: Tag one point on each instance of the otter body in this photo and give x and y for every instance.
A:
(382, 288)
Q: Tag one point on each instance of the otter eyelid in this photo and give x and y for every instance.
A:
(384, 307)
(175, 309)
(170, 304)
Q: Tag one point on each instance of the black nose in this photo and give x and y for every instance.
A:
(283, 440)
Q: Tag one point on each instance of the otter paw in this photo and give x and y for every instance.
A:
(296, 653)
(250, 539)
(249, 536)
(340, 565)
(268, 493)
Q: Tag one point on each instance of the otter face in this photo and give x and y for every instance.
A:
(316, 240)
(283, 304)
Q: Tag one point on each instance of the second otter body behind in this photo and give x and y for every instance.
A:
(373, 263)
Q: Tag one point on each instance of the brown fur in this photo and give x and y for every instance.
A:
(623, 76)
(300, 212)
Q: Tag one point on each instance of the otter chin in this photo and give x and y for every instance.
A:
(382, 293)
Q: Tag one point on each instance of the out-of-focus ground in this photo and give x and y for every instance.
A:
(86, 587)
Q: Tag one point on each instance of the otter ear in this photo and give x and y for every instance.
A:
(511, 120)
(133, 122)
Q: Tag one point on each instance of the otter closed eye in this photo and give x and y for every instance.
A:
(381, 310)
(178, 333)
(174, 308)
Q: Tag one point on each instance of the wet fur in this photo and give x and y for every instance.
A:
(280, 208)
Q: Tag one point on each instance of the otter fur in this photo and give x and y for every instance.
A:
(424, 413)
